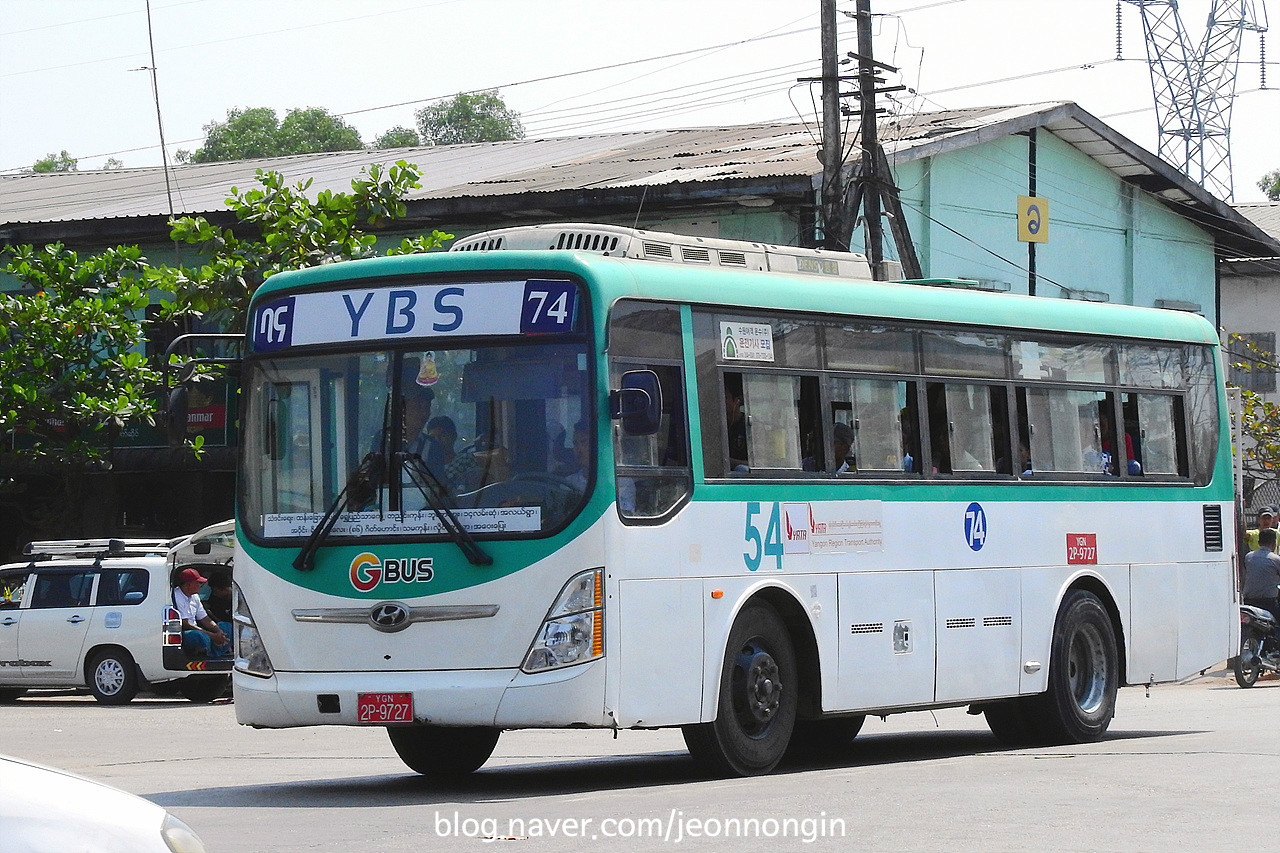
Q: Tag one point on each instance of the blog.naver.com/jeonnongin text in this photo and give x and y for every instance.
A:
(673, 827)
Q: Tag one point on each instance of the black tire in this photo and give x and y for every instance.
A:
(203, 689)
(813, 738)
(1012, 723)
(11, 694)
(443, 753)
(1246, 665)
(1084, 674)
(756, 711)
(112, 677)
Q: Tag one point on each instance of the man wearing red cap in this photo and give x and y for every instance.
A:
(201, 636)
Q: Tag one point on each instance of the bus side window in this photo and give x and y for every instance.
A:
(972, 427)
(775, 406)
(1154, 423)
(880, 414)
(653, 474)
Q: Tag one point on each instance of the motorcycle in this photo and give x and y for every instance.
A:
(1259, 645)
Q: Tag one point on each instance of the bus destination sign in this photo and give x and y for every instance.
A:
(530, 307)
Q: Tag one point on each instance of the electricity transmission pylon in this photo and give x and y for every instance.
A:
(1194, 87)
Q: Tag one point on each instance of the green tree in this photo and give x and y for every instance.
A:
(469, 117)
(314, 129)
(70, 350)
(253, 133)
(1259, 441)
(63, 162)
(397, 137)
(285, 229)
(1270, 184)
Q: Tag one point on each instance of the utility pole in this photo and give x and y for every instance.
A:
(871, 184)
(832, 136)
(869, 173)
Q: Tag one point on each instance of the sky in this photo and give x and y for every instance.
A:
(74, 73)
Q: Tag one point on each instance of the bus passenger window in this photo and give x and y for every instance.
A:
(968, 428)
(772, 403)
(874, 410)
(1063, 427)
(1154, 423)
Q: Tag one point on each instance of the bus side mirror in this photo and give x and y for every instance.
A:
(176, 416)
(638, 404)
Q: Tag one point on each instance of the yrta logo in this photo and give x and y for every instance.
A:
(367, 571)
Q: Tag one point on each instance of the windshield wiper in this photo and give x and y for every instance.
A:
(433, 491)
(361, 487)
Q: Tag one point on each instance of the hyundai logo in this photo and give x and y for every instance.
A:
(389, 617)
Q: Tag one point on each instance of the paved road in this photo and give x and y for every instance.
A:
(1169, 775)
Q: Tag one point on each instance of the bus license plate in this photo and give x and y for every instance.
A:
(384, 707)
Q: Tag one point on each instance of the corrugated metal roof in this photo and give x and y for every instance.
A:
(601, 161)
(612, 161)
(1265, 214)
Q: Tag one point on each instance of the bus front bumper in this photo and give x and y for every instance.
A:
(506, 698)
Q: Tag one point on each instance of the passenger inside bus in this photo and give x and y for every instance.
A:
(736, 422)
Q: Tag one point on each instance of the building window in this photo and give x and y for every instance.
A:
(1252, 358)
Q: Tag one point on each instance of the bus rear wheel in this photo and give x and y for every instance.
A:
(758, 697)
(443, 753)
(1084, 673)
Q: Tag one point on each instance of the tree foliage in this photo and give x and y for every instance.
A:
(1270, 184)
(253, 133)
(1259, 440)
(397, 137)
(69, 349)
(63, 162)
(290, 230)
(469, 117)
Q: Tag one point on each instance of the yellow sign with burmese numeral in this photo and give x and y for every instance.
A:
(1033, 219)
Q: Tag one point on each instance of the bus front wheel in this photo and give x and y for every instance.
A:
(758, 696)
(441, 752)
(1084, 673)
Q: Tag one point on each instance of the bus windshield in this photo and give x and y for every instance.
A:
(486, 431)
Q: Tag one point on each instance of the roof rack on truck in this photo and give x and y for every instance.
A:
(97, 548)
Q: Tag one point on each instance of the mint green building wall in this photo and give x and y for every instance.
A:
(1106, 237)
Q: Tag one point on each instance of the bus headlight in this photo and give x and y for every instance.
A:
(573, 630)
(251, 655)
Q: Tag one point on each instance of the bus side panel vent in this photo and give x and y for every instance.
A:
(657, 250)
(733, 259)
(866, 628)
(1212, 527)
(967, 622)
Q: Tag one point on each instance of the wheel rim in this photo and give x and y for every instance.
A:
(1249, 657)
(109, 677)
(757, 688)
(1087, 669)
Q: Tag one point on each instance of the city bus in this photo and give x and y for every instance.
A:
(588, 476)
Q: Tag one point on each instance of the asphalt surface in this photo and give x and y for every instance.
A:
(1172, 770)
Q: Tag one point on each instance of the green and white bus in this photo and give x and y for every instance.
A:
(733, 488)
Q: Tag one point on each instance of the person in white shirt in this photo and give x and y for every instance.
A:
(201, 636)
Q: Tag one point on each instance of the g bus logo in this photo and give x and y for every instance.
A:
(273, 326)
(367, 571)
(975, 526)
